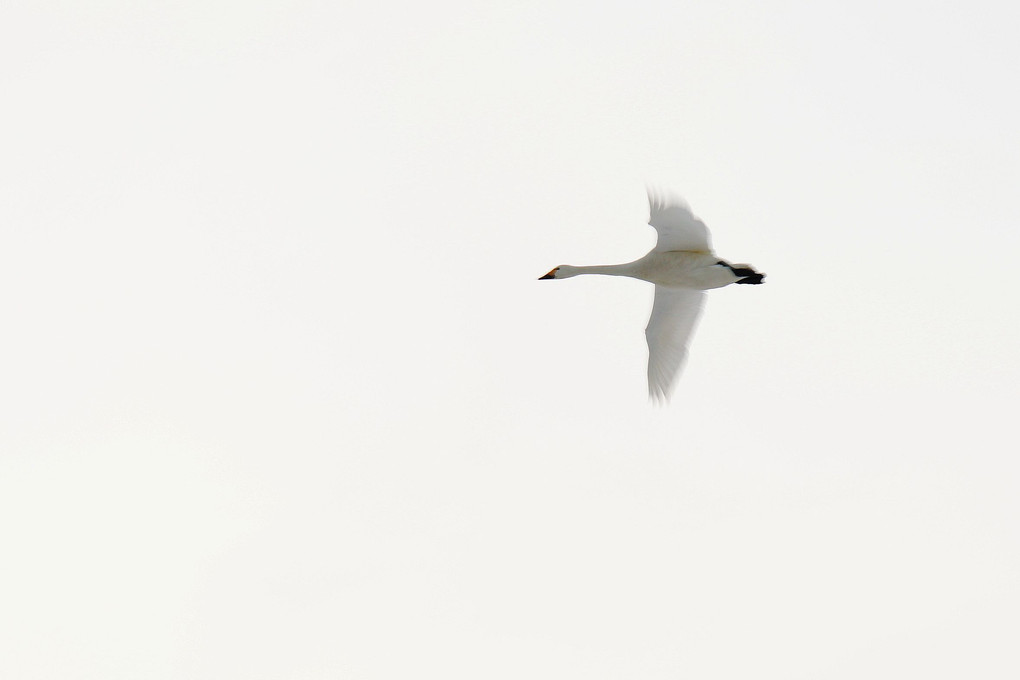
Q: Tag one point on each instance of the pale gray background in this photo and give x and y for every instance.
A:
(283, 398)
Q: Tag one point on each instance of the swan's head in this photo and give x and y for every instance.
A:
(564, 271)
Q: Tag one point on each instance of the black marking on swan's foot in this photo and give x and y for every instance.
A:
(743, 271)
(752, 279)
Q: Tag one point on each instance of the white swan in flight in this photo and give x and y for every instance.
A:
(682, 266)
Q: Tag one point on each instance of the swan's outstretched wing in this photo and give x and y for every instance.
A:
(675, 312)
(678, 228)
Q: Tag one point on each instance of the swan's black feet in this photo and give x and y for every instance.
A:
(746, 274)
(752, 279)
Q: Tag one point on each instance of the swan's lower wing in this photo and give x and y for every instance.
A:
(675, 313)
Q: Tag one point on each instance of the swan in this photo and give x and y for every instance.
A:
(682, 266)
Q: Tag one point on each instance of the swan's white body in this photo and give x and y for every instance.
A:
(682, 266)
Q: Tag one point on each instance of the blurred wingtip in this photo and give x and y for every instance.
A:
(660, 200)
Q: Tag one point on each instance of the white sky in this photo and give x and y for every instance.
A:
(285, 400)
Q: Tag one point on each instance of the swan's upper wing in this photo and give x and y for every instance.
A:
(675, 312)
(678, 228)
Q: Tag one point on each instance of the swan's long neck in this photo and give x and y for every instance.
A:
(606, 269)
